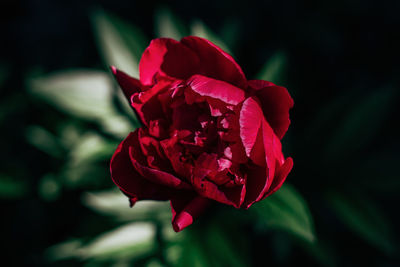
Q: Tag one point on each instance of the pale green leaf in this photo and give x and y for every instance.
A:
(49, 188)
(115, 204)
(120, 43)
(43, 140)
(83, 93)
(286, 210)
(124, 242)
(274, 69)
(169, 25)
(198, 28)
(90, 148)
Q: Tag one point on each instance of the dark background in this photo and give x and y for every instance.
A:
(345, 50)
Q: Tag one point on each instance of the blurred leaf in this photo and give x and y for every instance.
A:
(219, 245)
(84, 93)
(361, 124)
(128, 241)
(169, 25)
(191, 253)
(363, 217)
(322, 253)
(286, 210)
(114, 203)
(43, 140)
(230, 31)
(92, 147)
(210, 245)
(198, 28)
(84, 175)
(274, 69)
(11, 188)
(120, 43)
(49, 188)
(64, 250)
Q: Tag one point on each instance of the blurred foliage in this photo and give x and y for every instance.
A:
(337, 209)
(287, 210)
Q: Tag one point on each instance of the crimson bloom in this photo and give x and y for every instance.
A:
(208, 133)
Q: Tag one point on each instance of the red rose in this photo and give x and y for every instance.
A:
(208, 133)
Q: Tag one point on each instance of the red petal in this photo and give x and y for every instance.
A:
(275, 103)
(173, 151)
(232, 196)
(157, 176)
(280, 177)
(167, 57)
(186, 209)
(128, 84)
(262, 146)
(256, 180)
(216, 89)
(273, 156)
(147, 104)
(128, 179)
(250, 122)
(214, 62)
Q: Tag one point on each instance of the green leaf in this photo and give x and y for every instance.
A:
(274, 69)
(125, 242)
(91, 148)
(361, 124)
(86, 94)
(130, 241)
(169, 25)
(198, 28)
(365, 218)
(219, 244)
(190, 252)
(210, 245)
(115, 204)
(49, 188)
(286, 210)
(120, 44)
(43, 140)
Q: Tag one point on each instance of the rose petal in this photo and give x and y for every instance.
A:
(185, 209)
(157, 176)
(256, 180)
(280, 177)
(261, 145)
(128, 84)
(216, 89)
(204, 165)
(167, 57)
(250, 122)
(275, 102)
(128, 179)
(173, 151)
(147, 104)
(214, 62)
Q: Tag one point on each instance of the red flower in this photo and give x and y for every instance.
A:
(208, 133)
